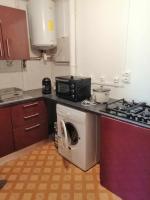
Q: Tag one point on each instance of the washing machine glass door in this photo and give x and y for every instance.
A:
(72, 134)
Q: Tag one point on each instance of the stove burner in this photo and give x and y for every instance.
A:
(123, 105)
(139, 112)
(146, 112)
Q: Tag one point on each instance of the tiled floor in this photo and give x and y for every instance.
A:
(43, 175)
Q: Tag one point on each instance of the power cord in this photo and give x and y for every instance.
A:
(88, 103)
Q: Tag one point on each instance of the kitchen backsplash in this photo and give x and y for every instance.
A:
(14, 75)
(10, 75)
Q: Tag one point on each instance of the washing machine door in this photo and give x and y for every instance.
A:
(70, 135)
(64, 136)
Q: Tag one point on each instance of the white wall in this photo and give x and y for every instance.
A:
(113, 36)
(14, 75)
(59, 70)
(138, 50)
(101, 35)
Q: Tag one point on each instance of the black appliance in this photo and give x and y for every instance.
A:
(74, 88)
(46, 86)
(139, 112)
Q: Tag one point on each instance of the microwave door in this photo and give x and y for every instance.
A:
(63, 89)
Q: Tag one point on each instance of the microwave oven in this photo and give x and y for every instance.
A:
(74, 88)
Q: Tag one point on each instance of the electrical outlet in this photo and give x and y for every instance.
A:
(116, 80)
(126, 77)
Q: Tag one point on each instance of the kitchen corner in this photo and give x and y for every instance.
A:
(74, 100)
(108, 129)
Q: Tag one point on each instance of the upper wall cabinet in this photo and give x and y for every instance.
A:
(13, 34)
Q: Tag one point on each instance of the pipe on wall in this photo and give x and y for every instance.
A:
(72, 15)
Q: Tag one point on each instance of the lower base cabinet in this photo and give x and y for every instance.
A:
(24, 137)
(30, 123)
(125, 159)
(6, 135)
(22, 125)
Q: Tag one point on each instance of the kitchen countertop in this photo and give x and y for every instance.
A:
(96, 109)
(27, 96)
(37, 93)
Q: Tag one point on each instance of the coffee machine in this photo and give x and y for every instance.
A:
(46, 85)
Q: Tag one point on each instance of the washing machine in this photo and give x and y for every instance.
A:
(78, 137)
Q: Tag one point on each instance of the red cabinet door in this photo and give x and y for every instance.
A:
(125, 159)
(25, 136)
(28, 114)
(14, 31)
(6, 137)
(30, 123)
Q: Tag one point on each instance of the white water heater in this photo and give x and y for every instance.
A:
(42, 23)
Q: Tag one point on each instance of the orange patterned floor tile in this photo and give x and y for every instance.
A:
(42, 174)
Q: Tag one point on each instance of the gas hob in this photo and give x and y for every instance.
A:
(139, 112)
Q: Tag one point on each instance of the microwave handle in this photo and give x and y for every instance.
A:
(63, 81)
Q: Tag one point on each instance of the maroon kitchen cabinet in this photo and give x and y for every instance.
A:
(13, 34)
(29, 113)
(6, 136)
(25, 136)
(30, 123)
(125, 159)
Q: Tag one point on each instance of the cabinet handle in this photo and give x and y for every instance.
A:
(31, 116)
(1, 51)
(32, 127)
(30, 105)
(8, 48)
